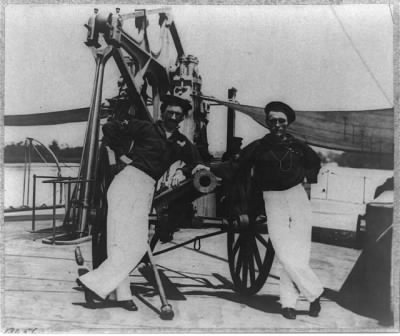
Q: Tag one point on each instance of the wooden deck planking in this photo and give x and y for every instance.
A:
(40, 282)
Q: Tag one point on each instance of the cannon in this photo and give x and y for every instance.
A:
(202, 183)
(250, 253)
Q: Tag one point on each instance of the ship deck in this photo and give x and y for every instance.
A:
(41, 294)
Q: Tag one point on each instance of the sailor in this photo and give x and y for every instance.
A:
(155, 147)
(280, 164)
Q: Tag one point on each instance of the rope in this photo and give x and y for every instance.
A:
(361, 57)
(156, 54)
(41, 156)
(64, 164)
(384, 232)
(163, 41)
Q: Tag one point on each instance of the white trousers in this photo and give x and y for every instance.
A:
(129, 201)
(289, 225)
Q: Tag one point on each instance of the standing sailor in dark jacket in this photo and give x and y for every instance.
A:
(280, 165)
(153, 148)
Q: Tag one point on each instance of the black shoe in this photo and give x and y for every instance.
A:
(90, 296)
(127, 305)
(93, 43)
(166, 237)
(289, 313)
(315, 307)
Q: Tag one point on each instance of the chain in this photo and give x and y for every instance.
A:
(282, 158)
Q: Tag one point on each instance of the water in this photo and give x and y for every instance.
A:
(14, 182)
(346, 185)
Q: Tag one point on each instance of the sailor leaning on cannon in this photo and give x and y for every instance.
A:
(150, 150)
(278, 165)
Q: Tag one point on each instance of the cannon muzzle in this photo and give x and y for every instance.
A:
(202, 183)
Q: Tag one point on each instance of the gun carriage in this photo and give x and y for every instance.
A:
(145, 76)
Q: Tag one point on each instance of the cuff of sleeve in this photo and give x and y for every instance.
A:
(312, 175)
(312, 179)
(185, 170)
(125, 159)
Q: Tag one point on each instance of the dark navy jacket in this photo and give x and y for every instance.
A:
(280, 165)
(273, 164)
(153, 153)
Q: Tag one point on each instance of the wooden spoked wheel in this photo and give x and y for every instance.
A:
(250, 257)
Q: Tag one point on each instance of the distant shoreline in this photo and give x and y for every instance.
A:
(20, 153)
(77, 161)
(44, 164)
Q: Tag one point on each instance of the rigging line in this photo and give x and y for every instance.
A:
(64, 164)
(360, 56)
(390, 9)
(40, 155)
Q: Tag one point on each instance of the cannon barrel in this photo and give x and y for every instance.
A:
(202, 183)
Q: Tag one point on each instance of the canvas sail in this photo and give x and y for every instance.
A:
(369, 131)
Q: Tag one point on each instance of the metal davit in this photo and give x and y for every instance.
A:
(90, 150)
(141, 68)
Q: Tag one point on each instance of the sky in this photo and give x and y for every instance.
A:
(311, 57)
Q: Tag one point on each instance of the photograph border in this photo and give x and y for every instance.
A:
(395, 279)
